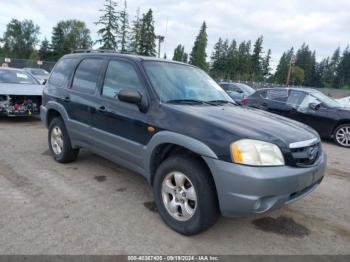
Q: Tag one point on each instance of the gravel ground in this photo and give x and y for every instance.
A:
(93, 206)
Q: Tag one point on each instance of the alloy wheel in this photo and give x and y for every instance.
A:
(179, 196)
(343, 136)
(56, 140)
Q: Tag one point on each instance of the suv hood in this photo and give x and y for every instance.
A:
(21, 89)
(251, 123)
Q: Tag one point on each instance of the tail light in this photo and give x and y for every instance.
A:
(244, 100)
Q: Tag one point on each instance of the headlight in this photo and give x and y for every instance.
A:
(256, 153)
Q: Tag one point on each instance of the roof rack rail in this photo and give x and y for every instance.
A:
(94, 51)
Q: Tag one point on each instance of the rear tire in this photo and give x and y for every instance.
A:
(342, 135)
(185, 195)
(59, 142)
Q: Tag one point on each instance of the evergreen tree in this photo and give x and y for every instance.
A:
(147, 43)
(306, 59)
(124, 30)
(45, 51)
(198, 55)
(179, 54)
(232, 60)
(134, 47)
(244, 61)
(333, 68)
(110, 26)
(256, 59)
(217, 63)
(281, 73)
(343, 69)
(266, 69)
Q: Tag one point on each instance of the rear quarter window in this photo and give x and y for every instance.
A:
(61, 72)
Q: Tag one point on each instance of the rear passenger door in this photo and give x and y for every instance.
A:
(82, 96)
(276, 101)
(119, 128)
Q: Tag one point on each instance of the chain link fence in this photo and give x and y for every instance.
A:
(21, 63)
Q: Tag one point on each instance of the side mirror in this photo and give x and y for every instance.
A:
(43, 82)
(133, 97)
(314, 106)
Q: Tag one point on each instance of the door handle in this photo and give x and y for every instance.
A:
(101, 108)
(66, 99)
(264, 104)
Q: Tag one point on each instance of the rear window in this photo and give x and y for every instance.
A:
(61, 72)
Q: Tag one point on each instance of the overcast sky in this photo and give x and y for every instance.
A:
(323, 24)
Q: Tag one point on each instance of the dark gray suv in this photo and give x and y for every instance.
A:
(202, 154)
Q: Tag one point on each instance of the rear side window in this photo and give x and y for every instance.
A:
(87, 74)
(120, 75)
(277, 95)
(295, 98)
(61, 72)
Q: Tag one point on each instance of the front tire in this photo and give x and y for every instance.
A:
(342, 135)
(59, 142)
(185, 195)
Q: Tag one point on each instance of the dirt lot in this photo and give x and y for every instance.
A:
(93, 206)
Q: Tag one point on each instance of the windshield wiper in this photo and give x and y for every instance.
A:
(221, 102)
(185, 101)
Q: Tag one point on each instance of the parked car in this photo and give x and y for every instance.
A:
(172, 123)
(237, 91)
(327, 116)
(20, 93)
(39, 74)
(345, 101)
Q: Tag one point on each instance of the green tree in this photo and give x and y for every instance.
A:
(281, 73)
(343, 69)
(20, 38)
(244, 61)
(306, 59)
(298, 76)
(68, 36)
(147, 45)
(134, 46)
(179, 54)
(256, 59)
(217, 60)
(109, 22)
(266, 69)
(124, 30)
(198, 55)
(45, 52)
(232, 60)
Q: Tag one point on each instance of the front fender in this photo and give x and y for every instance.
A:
(168, 137)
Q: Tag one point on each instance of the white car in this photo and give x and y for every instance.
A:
(344, 101)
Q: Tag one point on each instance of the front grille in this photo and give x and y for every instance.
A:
(306, 156)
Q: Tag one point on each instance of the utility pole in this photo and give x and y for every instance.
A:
(290, 70)
(160, 40)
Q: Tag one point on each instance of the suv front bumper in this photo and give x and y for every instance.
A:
(245, 190)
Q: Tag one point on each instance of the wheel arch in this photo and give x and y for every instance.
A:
(167, 143)
(339, 123)
(55, 110)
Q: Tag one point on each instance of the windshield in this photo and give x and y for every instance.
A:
(39, 72)
(176, 82)
(326, 100)
(15, 77)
